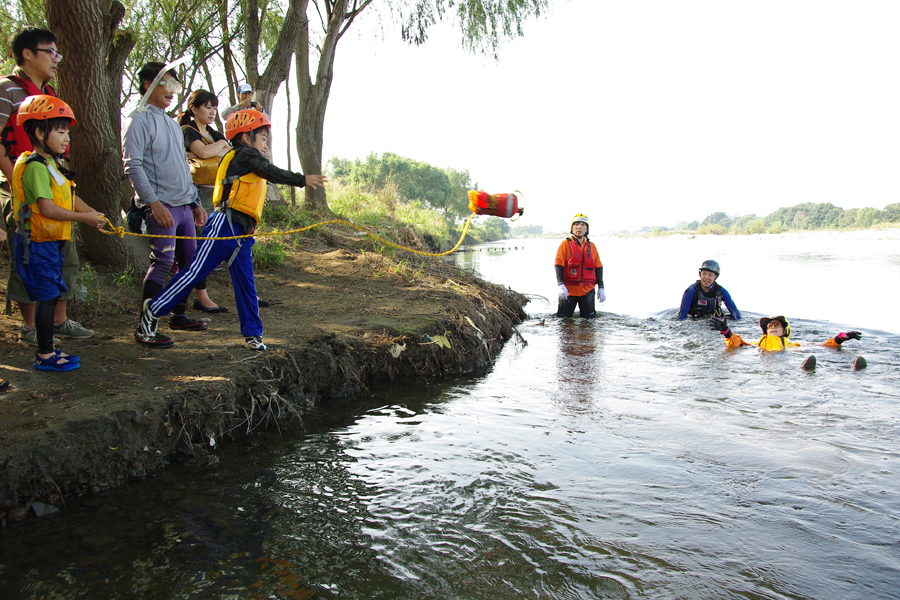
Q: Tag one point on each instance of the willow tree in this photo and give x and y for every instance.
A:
(483, 23)
(90, 81)
(313, 28)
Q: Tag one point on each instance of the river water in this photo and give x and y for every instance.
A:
(631, 456)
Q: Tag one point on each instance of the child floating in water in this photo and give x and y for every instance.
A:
(776, 337)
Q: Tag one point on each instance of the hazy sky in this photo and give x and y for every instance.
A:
(642, 112)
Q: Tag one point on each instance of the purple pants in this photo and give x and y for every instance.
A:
(162, 250)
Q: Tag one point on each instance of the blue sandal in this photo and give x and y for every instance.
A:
(55, 363)
(68, 357)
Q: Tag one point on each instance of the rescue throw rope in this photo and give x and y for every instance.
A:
(122, 232)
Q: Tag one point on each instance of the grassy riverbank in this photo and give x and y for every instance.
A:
(343, 314)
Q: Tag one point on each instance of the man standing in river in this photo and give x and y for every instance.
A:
(578, 270)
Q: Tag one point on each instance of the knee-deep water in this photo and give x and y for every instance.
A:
(630, 456)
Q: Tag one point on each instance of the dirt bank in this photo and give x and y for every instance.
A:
(341, 318)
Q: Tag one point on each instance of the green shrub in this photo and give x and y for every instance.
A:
(711, 229)
(753, 227)
(268, 253)
(285, 217)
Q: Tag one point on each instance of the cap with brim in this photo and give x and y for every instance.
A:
(764, 322)
(245, 87)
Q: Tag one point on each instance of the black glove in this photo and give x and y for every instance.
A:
(719, 324)
(847, 335)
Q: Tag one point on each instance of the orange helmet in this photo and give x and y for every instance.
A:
(244, 120)
(42, 108)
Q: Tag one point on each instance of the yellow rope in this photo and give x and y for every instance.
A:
(121, 232)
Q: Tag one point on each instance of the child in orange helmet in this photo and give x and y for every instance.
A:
(45, 207)
(238, 197)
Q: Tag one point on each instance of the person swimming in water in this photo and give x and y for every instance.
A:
(705, 297)
(777, 336)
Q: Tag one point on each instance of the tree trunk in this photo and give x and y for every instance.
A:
(227, 56)
(90, 81)
(314, 98)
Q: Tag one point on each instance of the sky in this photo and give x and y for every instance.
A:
(641, 112)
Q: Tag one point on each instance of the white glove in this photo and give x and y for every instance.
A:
(563, 292)
(601, 295)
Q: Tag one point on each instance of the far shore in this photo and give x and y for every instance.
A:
(886, 233)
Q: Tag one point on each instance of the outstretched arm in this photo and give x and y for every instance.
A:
(842, 337)
(732, 340)
(729, 304)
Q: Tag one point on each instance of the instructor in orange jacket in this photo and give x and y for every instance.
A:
(578, 271)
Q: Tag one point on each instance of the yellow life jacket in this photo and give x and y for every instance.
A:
(30, 223)
(248, 192)
(775, 343)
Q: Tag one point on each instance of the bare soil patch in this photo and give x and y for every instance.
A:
(340, 318)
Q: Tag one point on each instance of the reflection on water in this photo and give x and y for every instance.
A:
(806, 257)
(621, 457)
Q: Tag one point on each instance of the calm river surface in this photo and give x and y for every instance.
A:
(631, 456)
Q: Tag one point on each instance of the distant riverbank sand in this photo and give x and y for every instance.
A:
(892, 233)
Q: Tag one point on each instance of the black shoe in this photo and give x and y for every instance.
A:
(155, 339)
(255, 343)
(214, 310)
(860, 363)
(809, 363)
(262, 303)
(146, 332)
(186, 323)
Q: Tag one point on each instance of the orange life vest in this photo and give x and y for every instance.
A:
(13, 136)
(247, 194)
(580, 266)
(30, 223)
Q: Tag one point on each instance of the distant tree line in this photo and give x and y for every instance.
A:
(445, 190)
(806, 216)
(418, 183)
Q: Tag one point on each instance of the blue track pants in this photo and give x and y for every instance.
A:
(209, 255)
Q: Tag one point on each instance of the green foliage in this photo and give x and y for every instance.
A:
(484, 23)
(775, 228)
(169, 29)
(891, 213)
(527, 230)
(753, 227)
(385, 209)
(443, 189)
(127, 279)
(717, 218)
(494, 228)
(268, 253)
(91, 292)
(685, 226)
(13, 16)
(285, 217)
(712, 229)
(807, 216)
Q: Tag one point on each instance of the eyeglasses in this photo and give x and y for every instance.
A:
(172, 86)
(54, 54)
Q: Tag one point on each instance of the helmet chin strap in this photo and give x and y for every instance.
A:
(142, 105)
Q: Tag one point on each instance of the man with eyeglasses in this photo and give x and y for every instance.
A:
(153, 151)
(36, 62)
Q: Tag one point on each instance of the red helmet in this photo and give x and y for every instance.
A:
(244, 120)
(42, 108)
